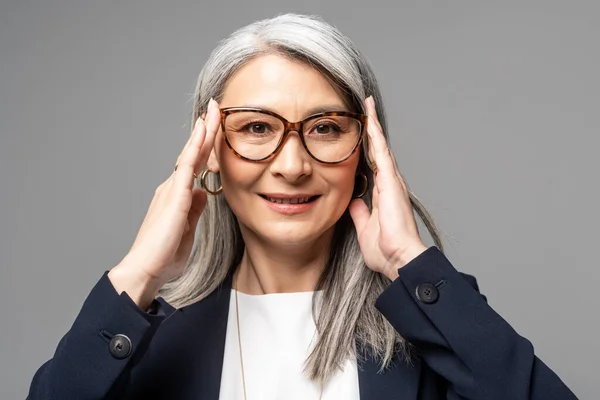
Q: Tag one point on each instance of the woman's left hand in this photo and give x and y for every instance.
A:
(388, 236)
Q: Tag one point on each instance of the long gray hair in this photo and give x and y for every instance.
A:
(345, 315)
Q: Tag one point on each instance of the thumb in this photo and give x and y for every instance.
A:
(360, 214)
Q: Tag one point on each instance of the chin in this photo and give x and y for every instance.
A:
(283, 230)
(291, 235)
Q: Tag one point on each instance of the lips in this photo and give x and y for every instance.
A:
(290, 204)
(289, 199)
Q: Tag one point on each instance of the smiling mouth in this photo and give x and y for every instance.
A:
(289, 200)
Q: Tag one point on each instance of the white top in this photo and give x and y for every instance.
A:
(276, 331)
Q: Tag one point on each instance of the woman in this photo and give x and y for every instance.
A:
(308, 277)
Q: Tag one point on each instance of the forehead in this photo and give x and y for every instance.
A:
(282, 85)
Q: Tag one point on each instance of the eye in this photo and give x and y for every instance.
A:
(322, 128)
(257, 128)
(326, 128)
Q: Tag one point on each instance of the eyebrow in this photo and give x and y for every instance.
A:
(311, 111)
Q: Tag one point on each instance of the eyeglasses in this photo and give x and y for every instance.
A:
(254, 134)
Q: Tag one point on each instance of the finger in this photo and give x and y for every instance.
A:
(199, 199)
(187, 162)
(402, 182)
(360, 214)
(396, 167)
(374, 111)
(391, 155)
(386, 170)
(158, 194)
(375, 198)
(187, 144)
(370, 155)
(213, 121)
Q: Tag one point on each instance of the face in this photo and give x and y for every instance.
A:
(259, 192)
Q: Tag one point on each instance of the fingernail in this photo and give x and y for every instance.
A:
(212, 103)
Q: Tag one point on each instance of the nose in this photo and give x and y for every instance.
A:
(292, 162)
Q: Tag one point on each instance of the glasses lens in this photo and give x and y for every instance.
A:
(253, 134)
(332, 138)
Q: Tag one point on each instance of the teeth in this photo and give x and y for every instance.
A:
(289, 201)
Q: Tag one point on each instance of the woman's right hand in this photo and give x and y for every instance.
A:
(164, 242)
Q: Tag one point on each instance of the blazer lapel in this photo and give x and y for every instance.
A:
(187, 356)
(213, 311)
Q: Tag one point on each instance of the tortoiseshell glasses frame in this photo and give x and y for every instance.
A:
(293, 127)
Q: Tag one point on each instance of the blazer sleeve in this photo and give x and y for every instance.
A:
(109, 332)
(461, 338)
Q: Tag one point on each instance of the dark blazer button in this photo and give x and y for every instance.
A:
(120, 346)
(427, 293)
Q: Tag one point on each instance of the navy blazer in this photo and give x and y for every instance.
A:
(465, 349)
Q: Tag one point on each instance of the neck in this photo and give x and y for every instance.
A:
(271, 268)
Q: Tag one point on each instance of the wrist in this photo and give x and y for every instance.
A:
(140, 288)
(410, 254)
(391, 273)
(403, 258)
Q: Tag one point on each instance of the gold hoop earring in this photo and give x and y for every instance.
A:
(365, 186)
(203, 184)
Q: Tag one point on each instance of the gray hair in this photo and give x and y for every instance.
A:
(345, 315)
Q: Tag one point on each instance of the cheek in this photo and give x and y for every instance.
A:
(237, 176)
(346, 175)
(342, 186)
(340, 180)
(229, 168)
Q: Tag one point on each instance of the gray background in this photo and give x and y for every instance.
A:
(494, 114)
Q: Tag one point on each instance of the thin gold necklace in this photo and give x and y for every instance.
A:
(237, 315)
